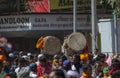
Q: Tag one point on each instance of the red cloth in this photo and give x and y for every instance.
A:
(39, 70)
(112, 70)
(38, 5)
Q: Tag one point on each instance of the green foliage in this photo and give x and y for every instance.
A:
(115, 4)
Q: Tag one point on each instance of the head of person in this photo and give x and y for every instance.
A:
(33, 67)
(101, 57)
(22, 62)
(96, 51)
(114, 66)
(43, 60)
(76, 59)
(61, 60)
(72, 74)
(87, 69)
(116, 74)
(57, 73)
(67, 65)
(115, 61)
(31, 58)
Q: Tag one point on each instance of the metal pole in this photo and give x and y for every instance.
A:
(74, 15)
(93, 13)
(115, 34)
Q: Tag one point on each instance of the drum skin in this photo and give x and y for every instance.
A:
(75, 41)
(51, 45)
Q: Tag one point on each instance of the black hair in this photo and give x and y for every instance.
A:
(115, 65)
(33, 66)
(85, 67)
(77, 57)
(101, 55)
(115, 61)
(59, 73)
(96, 49)
(42, 58)
(64, 58)
(116, 74)
(22, 60)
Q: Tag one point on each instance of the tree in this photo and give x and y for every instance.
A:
(115, 4)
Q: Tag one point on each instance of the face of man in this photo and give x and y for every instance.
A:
(43, 64)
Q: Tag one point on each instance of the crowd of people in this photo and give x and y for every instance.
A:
(76, 65)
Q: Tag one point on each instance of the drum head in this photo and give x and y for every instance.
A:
(52, 45)
(76, 41)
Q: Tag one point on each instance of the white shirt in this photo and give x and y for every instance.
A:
(23, 72)
(33, 75)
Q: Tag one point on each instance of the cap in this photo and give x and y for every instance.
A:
(66, 63)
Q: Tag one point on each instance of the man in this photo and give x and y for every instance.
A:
(43, 68)
(76, 66)
(33, 70)
(87, 71)
(3, 74)
(116, 74)
(72, 74)
(22, 70)
(97, 73)
(95, 53)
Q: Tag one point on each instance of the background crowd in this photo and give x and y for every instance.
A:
(76, 65)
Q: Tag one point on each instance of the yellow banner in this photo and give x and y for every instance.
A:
(64, 4)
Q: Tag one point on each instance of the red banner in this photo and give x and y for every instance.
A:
(41, 6)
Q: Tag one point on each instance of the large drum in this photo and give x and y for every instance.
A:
(49, 45)
(75, 42)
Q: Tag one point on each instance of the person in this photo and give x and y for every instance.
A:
(43, 68)
(22, 71)
(115, 66)
(57, 73)
(95, 53)
(116, 74)
(97, 72)
(102, 58)
(72, 74)
(76, 66)
(67, 65)
(33, 70)
(105, 72)
(87, 71)
(31, 59)
(3, 74)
